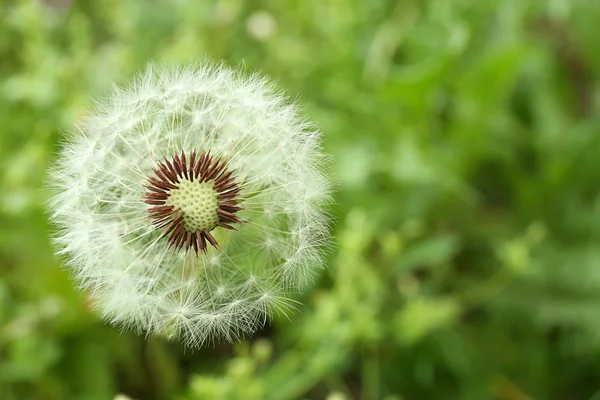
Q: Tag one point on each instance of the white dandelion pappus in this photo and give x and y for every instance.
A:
(190, 204)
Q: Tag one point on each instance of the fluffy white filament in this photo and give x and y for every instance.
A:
(115, 253)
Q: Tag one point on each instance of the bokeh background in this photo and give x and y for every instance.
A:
(466, 144)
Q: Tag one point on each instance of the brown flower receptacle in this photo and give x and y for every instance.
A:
(191, 197)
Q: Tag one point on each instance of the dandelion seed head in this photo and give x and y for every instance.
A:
(190, 204)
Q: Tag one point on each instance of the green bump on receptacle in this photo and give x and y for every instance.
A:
(199, 203)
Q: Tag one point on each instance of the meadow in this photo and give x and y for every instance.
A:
(465, 144)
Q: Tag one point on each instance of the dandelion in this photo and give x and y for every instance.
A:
(190, 204)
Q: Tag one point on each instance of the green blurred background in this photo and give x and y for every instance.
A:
(466, 144)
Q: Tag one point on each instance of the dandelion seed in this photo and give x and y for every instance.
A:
(190, 204)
